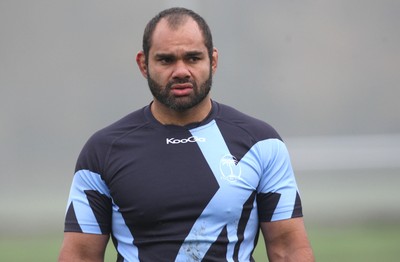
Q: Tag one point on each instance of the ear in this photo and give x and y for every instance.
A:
(141, 62)
(214, 61)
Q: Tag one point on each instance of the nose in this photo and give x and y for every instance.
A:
(181, 70)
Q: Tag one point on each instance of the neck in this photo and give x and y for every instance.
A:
(168, 116)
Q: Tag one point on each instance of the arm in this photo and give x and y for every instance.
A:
(286, 240)
(83, 247)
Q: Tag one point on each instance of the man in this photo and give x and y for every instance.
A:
(184, 178)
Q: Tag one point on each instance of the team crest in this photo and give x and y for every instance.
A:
(230, 168)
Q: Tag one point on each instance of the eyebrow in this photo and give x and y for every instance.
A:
(187, 54)
(194, 53)
(163, 55)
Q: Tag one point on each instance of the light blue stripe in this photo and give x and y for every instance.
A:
(92, 181)
(86, 180)
(225, 207)
(278, 176)
(123, 234)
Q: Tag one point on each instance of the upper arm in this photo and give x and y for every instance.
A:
(286, 240)
(277, 192)
(83, 247)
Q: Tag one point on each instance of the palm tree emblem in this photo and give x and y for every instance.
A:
(230, 168)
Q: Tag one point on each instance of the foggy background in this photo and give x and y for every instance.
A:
(325, 74)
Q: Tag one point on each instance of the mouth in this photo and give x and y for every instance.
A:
(181, 86)
(181, 89)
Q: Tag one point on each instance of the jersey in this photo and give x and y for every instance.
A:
(183, 193)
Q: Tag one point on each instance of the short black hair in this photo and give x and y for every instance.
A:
(176, 16)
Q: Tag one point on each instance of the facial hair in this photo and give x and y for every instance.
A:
(165, 96)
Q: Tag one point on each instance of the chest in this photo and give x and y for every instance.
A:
(159, 179)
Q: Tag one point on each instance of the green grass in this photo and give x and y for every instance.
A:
(366, 244)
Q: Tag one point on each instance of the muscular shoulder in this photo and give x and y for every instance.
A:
(232, 120)
(127, 124)
(94, 152)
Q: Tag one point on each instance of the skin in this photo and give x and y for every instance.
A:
(180, 53)
(78, 247)
(287, 241)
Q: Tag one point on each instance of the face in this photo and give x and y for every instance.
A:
(179, 70)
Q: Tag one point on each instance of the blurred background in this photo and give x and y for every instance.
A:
(324, 73)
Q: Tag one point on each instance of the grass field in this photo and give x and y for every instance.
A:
(344, 244)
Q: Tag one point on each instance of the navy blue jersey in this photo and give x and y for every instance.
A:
(191, 193)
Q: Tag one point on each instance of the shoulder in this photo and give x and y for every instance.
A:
(121, 127)
(97, 146)
(233, 120)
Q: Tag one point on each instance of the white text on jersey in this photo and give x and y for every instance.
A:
(192, 139)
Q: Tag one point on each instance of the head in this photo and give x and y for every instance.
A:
(178, 58)
(177, 16)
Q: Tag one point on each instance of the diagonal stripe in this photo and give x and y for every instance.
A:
(247, 208)
(85, 180)
(125, 246)
(227, 203)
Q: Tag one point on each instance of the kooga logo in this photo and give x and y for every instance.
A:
(192, 139)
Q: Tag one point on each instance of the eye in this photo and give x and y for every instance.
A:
(165, 60)
(193, 59)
